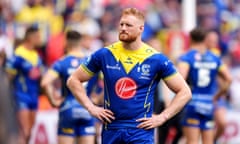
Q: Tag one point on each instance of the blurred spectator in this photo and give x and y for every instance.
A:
(41, 13)
(171, 14)
(235, 49)
(55, 48)
(6, 45)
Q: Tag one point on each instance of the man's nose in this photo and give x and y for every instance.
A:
(123, 27)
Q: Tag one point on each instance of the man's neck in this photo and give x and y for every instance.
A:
(76, 52)
(132, 45)
(28, 46)
(202, 48)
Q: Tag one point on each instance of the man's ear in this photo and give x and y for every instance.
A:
(142, 28)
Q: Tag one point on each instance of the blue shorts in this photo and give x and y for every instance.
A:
(26, 101)
(127, 135)
(195, 119)
(68, 125)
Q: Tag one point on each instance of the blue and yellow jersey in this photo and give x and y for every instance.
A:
(63, 68)
(95, 84)
(130, 80)
(27, 66)
(203, 69)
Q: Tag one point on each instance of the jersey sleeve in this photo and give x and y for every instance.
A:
(56, 68)
(13, 65)
(93, 64)
(167, 68)
(221, 65)
(184, 59)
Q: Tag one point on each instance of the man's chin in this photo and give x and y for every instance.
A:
(126, 40)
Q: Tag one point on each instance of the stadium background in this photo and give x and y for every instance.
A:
(98, 19)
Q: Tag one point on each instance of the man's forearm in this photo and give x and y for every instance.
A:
(49, 92)
(179, 101)
(79, 92)
(222, 90)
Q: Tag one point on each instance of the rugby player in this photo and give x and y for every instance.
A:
(200, 67)
(25, 68)
(75, 122)
(132, 70)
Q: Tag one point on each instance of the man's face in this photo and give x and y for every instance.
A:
(87, 41)
(212, 40)
(35, 39)
(130, 28)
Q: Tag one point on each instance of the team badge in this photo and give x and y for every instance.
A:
(74, 63)
(198, 57)
(125, 88)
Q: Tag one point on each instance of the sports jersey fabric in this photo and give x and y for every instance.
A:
(203, 69)
(130, 80)
(74, 120)
(27, 66)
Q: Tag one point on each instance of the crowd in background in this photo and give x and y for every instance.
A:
(97, 20)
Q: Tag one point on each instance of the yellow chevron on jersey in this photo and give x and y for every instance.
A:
(30, 55)
(129, 58)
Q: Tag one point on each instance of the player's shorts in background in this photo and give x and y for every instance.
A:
(26, 101)
(127, 135)
(69, 125)
(194, 119)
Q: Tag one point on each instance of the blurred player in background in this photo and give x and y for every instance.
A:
(95, 89)
(74, 120)
(200, 67)
(212, 43)
(132, 70)
(26, 67)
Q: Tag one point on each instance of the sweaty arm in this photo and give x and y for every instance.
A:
(175, 82)
(47, 85)
(74, 83)
(183, 94)
(224, 82)
(183, 68)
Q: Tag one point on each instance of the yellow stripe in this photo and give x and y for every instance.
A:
(148, 105)
(129, 58)
(170, 76)
(222, 67)
(11, 71)
(87, 70)
(53, 72)
(30, 55)
(184, 64)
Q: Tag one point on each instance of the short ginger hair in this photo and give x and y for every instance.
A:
(133, 11)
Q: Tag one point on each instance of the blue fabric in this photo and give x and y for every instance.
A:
(127, 136)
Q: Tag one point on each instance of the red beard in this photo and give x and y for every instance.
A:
(125, 37)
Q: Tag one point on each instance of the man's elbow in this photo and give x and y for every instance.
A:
(188, 93)
(69, 82)
(227, 84)
(229, 81)
(43, 83)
